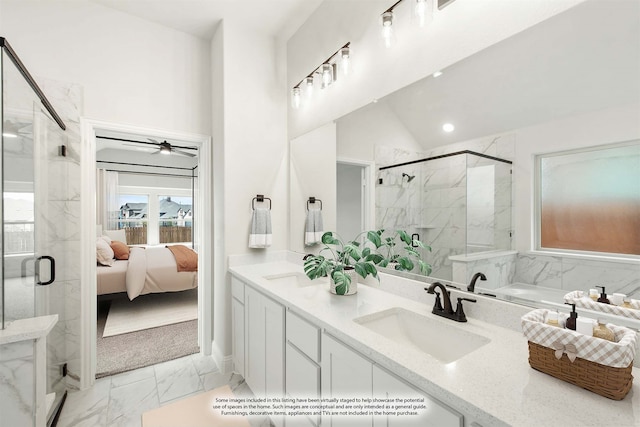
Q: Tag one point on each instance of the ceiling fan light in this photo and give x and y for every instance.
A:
(165, 149)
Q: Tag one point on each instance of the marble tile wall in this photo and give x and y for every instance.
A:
(63, 233)
(17, 388)
(571, 274)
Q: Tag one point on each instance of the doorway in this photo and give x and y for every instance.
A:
(355, 198)
(201, 231)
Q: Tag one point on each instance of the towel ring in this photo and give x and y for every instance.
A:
(312, 200)
(259, 198)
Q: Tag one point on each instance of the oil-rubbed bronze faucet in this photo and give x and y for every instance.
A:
(472, 285)
(447, 311)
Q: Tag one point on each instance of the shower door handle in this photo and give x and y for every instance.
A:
(52, 274)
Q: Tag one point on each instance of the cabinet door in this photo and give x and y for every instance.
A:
(264, 350)
(345, 374)
(237, 339)
(255, 340)
(386, 385)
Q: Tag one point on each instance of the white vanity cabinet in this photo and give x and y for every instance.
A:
(345, 374)
(302, 370)
(264, 350)
(387, 385)
(237, 322)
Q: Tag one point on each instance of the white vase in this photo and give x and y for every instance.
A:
(353, 286)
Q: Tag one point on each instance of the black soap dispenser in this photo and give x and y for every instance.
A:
(571, 321)
(603, 296)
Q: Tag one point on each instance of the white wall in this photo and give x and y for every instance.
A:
(373, 125)
(459, 30)
(249, 105)
(132, 71)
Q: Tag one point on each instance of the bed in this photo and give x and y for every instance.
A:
(154, 269)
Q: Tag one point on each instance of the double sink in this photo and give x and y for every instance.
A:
(432, 336)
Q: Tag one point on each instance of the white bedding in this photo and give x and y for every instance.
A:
(148, 270)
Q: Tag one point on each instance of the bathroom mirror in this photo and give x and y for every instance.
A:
(569, 82)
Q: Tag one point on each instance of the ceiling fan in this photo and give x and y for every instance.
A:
(166, 148)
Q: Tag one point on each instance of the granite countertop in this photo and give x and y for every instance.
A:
(494, 384)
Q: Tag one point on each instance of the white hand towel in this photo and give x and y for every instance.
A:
(313, 227)
(260, 236)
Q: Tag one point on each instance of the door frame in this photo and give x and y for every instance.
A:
(88, 300)
(368, 192)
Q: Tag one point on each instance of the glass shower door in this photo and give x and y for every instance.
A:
(34, 226)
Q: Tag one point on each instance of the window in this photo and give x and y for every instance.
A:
(19, 234)
(589, 200)
(133, 217)
(175, 219)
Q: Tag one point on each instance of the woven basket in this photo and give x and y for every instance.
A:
(606, 381)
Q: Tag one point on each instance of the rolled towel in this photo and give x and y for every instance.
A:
(313, 227)
(260, 236)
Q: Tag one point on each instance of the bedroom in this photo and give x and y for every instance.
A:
(147, 281)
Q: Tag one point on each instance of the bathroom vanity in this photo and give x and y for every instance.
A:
(292, 338)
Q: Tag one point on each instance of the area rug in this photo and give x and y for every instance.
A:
(121, 353)
(150, 311)
(195, 411)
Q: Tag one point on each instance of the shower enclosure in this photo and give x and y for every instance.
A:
(458, 203)
(33, 180)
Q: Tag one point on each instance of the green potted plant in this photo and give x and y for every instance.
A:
(400, 251)
(346, 260)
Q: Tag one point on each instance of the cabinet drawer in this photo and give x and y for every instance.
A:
(303, 335)
(303, 375)
(237, 289)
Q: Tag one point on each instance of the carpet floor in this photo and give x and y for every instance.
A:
(121, 353)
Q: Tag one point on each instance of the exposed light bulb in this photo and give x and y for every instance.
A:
(448, 127)
(420, 12)
(345, 53)
(327, 75)
(387, 28)
(308, 82)
(295, 98)
(9, 135)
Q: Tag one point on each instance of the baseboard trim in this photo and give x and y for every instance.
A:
(224, 363)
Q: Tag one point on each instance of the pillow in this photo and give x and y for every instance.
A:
(106, 239)
(119, 235)
(120, 250)
(104, 253)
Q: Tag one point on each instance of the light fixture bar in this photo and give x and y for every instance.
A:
(315, 70)
(394, 5)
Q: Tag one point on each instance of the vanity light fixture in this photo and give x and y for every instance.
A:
(448, 127)
(420, 12)
(295, 98)
(387, 28)
(328, 72)
(308, 82)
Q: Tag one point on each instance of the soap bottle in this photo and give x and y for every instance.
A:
(593, 294)
(573, 316)
(603, 296)
(627, 303)
(552, 319)
(601, 331)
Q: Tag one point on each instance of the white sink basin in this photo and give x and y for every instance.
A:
(446, 343)
(294, 279)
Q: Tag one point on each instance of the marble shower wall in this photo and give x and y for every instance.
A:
(61, 231)
(571, 274)
(434, 204)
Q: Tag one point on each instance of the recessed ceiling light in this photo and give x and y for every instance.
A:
(375, 100)
(448, 127)
(437, 74)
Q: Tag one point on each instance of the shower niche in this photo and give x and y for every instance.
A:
(458, 203)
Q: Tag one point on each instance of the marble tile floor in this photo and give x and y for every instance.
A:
(120, 400)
